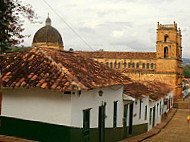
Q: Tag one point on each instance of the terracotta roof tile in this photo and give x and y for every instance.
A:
(154, 89)
(54, 69)
(118, 55)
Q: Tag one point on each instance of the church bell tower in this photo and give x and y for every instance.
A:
(168, 43)
(169, 55)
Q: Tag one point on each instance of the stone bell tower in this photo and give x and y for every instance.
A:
(169, 55)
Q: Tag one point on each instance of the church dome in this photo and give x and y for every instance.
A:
(48, 36)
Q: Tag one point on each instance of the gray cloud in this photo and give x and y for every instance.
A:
(124, 25)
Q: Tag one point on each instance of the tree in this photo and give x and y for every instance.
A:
(11, 25)
(71, 49)
(101, 50)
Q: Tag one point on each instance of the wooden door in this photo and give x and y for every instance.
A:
(130, 119)
(154, 117)
(125, 114)
(101, 123)
(86, 125)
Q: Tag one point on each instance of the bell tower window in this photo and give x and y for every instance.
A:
(165, 38)
(165, 52)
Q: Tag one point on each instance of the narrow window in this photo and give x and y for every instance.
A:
(150, 119)
(125, 64)
(129, 65)
(147, 66)
(115, 114)
(165, 52)
(165, 38)
(137, 65)
(133, 65)
(119, 65)
(115, 65)
(107, 64)
(152, 65)
(86, 121)
(145, 114)
(111, 65)
(143, 65)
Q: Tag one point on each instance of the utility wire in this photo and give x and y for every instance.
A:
(67, 24)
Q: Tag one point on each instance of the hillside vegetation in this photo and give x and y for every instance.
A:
(186, 71)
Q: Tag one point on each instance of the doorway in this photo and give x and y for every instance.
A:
(131, 119)
(125, 113)
(154, 113)
(101, 123)
(86, 125)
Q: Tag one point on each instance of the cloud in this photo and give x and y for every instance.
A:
(113, 25)
(117, 34)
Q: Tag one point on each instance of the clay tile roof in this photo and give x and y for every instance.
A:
(154, 89)
(59, 70)
(160, 89)
(118, 55)
(137, 90)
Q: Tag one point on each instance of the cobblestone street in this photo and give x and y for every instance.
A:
(176, 131)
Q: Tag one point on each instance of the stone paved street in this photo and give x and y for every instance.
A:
(176, 131)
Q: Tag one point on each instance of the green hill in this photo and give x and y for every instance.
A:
(186, 71)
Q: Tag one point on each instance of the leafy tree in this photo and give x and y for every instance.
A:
(71, 49)
(11, 25)
(101, 50)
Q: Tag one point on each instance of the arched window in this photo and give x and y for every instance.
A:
(147, 66)
(165, 38)
(119, 65)
(143, 65)
(137, 65)
(111, 65)
(125, 64)
(115, 65)
(129, 65)
(133, 65)
(107, 64)
(152, 65)
(165, 52)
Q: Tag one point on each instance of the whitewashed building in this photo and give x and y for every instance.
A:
(51, 95)
(145, 105)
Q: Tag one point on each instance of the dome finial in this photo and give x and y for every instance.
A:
(48, 21)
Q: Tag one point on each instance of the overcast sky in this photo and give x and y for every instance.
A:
(112, 25)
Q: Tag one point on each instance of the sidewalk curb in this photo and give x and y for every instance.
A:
(154, 131)
(160, 129)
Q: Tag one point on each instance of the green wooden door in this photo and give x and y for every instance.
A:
(125, 111)
(101, 123)
(131, 119)
(154, 117)
(86, 125)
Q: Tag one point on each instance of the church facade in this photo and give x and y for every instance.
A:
(164, 65)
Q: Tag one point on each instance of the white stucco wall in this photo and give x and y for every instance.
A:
(157, 112)
(136, 111)
(158, 116)
(91, 99)
(57, 108)
(37, 105)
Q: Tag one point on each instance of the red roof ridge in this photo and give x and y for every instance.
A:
(64, 70)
